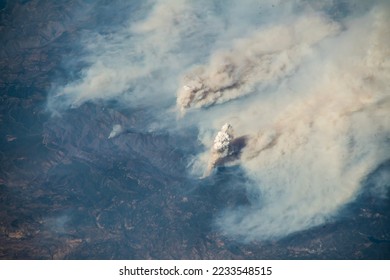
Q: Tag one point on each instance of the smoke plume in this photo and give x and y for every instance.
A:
(116, 130)
(304, 84)
(260, 60)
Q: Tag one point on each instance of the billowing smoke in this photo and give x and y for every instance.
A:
(304, 84)
(222, 147)
(253, 63)
(325, 132)
(139, 62)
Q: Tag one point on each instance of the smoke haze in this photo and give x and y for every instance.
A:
(261, 59)
(307, 86)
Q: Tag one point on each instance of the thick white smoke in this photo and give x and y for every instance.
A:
(221, 149)
(305, 83)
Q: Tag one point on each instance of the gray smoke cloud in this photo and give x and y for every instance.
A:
(255, 62)
(138, 62)
(306, 86)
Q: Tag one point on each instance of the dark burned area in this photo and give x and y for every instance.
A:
(68, 192)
